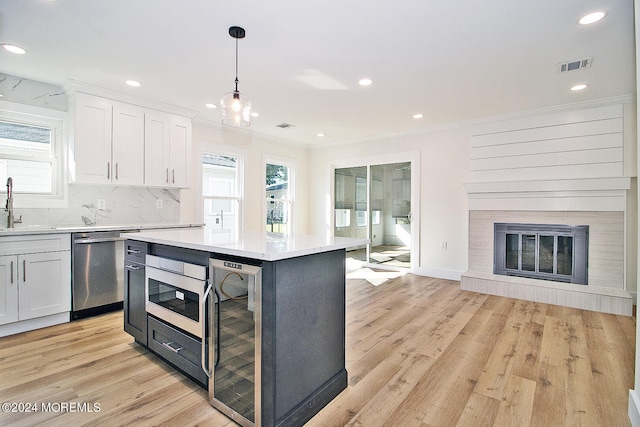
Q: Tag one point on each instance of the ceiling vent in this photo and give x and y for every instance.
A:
(285, 125)
(577, 64)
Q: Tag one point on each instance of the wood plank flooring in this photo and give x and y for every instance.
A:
(420, 352)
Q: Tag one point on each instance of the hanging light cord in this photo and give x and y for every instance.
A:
(236, 81)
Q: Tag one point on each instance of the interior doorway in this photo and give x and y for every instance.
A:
(374, 202)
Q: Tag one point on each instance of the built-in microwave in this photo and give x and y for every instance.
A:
(174, 292)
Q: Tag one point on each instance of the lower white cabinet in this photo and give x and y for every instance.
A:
(35, 281)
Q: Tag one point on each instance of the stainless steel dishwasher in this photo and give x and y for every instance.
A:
(97, 264)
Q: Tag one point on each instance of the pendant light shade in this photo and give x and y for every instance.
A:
(235, 107)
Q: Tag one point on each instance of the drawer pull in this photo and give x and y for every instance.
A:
(168, 346)
(132, 267)
(133, 251)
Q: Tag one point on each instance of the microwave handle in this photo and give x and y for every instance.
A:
(204, 363)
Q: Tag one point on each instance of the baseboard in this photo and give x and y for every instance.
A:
(438, 273)
(634, 408)
(31, 324)
(309, 407)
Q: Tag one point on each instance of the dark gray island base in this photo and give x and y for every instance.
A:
(300, 333)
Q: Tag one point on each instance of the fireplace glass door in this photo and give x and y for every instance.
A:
(543, 252)
(546, 254)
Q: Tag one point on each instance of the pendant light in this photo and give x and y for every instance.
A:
(234, 106)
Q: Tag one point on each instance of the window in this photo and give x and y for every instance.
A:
(32, 154)
(221, 194)
(279, 201)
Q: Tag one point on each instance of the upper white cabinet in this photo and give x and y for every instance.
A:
(121, 143)
(167, 149)
(108, 143)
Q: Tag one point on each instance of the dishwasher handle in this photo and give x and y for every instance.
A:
(99, 240)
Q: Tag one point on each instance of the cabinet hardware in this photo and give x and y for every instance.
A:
(133, 251)
(24, 270)
(167, 178)
(11, 272)
(168, 346)
(116, 171)
(108, 170)
(173, 176)
(132, 267)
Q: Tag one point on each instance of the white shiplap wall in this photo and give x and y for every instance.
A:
(569, 145)
(566, 160)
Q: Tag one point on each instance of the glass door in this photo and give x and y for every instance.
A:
(234, 387)
(374, 202)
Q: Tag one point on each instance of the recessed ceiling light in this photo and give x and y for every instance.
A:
(590, 18)
(418, 116)
(13, 49)
(365, 82)
(209, 105)
(255, 114)
(133, 83)
(579, 87)
(320, 134)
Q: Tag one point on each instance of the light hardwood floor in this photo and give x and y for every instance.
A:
(420, 352)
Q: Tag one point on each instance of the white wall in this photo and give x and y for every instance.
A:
(255, 150)
(442, 158)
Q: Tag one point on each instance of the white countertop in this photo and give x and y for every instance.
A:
(20, 229)
(255, 245)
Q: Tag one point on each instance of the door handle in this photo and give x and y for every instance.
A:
(12, 272)
(24, 270)
(168, 346)
(205, 362)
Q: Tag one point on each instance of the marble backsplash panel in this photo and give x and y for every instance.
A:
(122, 206)
(30, 92)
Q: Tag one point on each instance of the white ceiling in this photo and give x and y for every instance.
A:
(451, 60)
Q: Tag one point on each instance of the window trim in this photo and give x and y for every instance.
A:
(58, 122)
(291, 164)
(239, 184)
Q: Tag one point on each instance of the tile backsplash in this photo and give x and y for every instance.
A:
(122, 206)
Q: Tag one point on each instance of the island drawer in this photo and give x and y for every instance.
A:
(135, 251)
(177, 348)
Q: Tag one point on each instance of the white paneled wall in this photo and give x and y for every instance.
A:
(577, 144)
(565, 167)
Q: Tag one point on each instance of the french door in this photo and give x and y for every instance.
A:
(374, 202)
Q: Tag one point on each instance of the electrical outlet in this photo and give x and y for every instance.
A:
(102, 204)
(159, 203)
(443, 245)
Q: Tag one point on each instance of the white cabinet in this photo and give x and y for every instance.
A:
(35, 276)
(167, 150)
(120, 143)
(108, 143)
(8, 289)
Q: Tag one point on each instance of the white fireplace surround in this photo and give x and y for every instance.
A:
(563, 167)
(605, 291)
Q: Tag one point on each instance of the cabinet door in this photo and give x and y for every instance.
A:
(8, 289)
(128, 145)
(180, 151)
(135, 314)
(92, 139)
(156, 149)
(44, 282)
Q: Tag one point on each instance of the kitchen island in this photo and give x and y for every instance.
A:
(274, 353)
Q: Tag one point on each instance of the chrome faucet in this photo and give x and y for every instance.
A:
(9, 208)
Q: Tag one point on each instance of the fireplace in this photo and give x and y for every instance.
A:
(542, 251)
